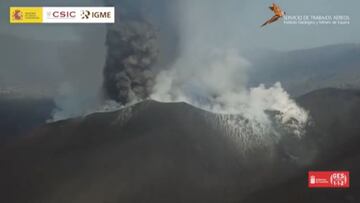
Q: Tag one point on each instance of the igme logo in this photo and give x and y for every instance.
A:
(101, 15)
(85, 14)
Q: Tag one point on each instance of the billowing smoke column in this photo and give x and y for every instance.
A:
(208, 71)
(133, 48)
(132, 51)
(211, 73)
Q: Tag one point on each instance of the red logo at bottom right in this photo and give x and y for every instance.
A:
(329, 179)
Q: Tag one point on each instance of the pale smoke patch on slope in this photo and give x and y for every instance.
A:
(70, 104)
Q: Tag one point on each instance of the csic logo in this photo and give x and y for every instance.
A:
(17, 15)
(329, 179)
(61, 14)
(86, 14)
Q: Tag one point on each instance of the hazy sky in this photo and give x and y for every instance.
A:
(43, 32)
(282, 36)
(245, 16)
(69, 59)
(51, 55)
(229, 21)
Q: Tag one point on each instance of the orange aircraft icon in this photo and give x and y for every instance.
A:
(278, 14)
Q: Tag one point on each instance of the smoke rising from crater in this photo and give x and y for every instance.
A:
(132, 50)
(206, 67)
(138, 43)
(211, 73)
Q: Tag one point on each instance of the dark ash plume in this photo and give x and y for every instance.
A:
(143, 41)
(132, 50)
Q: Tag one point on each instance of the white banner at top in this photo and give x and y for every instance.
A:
(78, 14)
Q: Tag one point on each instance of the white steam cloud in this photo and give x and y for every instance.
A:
(217, 82)
(211, 74)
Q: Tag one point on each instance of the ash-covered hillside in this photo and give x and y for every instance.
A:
(173, 152)
(337, 114)
(19, 115)
(150, 152)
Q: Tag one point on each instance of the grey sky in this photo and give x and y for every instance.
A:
(47, 56)
(243, 18)
(73, 49)
(70, 58)
(247, 15)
